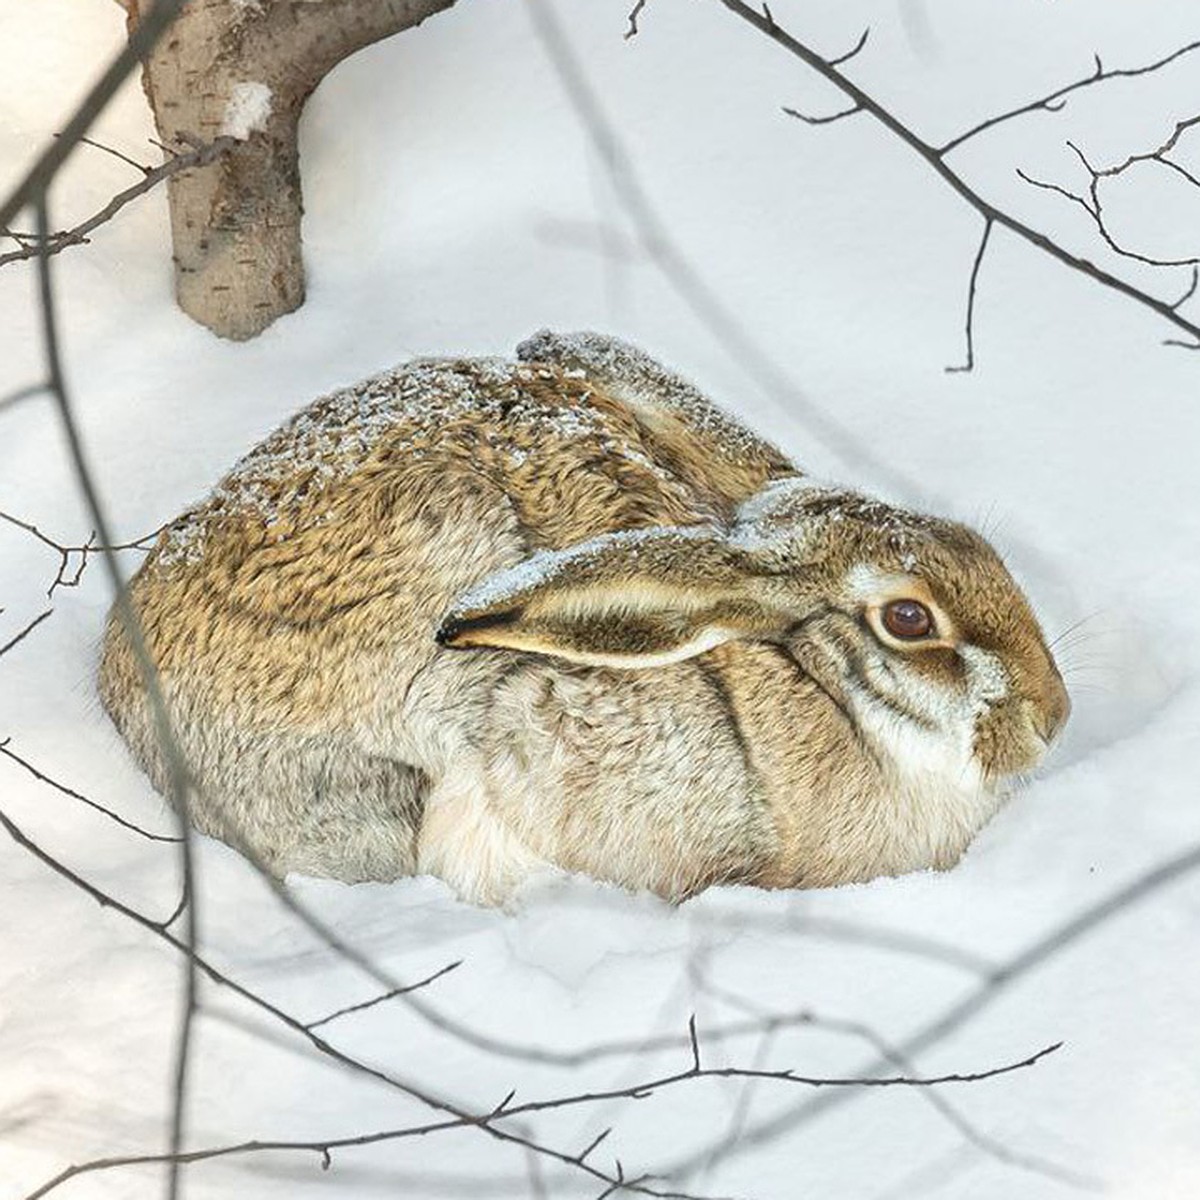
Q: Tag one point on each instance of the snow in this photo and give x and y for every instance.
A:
(247, 111)
(453, 206)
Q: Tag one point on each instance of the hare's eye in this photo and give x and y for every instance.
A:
(907, 619)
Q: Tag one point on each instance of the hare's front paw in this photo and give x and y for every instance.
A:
(469, 846)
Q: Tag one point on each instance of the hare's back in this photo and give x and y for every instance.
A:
(558, 451)
(355, 525)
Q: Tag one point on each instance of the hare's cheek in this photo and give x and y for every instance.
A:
(943, 680)
(941, 666)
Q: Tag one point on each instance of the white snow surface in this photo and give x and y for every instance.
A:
(454, 205)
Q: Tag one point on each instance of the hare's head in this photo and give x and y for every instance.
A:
(911, 625)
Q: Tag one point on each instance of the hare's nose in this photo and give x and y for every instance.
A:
(1052, 708)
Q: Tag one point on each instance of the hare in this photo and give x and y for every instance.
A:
(482, 619)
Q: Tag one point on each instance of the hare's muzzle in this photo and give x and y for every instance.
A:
(1049, 712)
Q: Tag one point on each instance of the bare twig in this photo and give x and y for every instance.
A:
(23, 635)
(118, 154)
(1191, 290)
(969, 365)
(198, 156)
(827, 120)
(388, 995)
(634, 13)
(936, 156)
(180, 908)
(8, 752)
(1056, 100)
(1093, 205)
(1158, 154)
(853, 51)
(84, 551)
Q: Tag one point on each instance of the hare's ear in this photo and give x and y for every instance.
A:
(631, 599)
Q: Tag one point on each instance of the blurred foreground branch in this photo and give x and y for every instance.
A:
(986, 993)
(455, 1116)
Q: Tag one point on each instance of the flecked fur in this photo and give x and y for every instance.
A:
(486, 618)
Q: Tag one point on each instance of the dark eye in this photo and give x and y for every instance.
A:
(907, 619)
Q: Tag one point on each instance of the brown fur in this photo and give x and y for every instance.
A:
(486, 618)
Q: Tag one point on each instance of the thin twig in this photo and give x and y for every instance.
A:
(200, 156)
(8, 752)
(1158, 154)
(969, 365)
(634, 12)
(827, 120)
(1191, 291)
(935, 157)
(853, 51)
(1093, 205)
(22, 636)
(65, 552)
(133, 162)
(388, 995)
(1055, 101)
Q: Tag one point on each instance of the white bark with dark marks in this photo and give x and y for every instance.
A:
(235, 225)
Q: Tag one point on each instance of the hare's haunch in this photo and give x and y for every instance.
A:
(483, 618)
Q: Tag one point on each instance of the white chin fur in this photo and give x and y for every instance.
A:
(937, 794)
(939, 785)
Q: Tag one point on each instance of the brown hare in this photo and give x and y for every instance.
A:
(482, 618)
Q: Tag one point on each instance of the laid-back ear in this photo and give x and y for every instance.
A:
(697, 439)
(636, 598)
